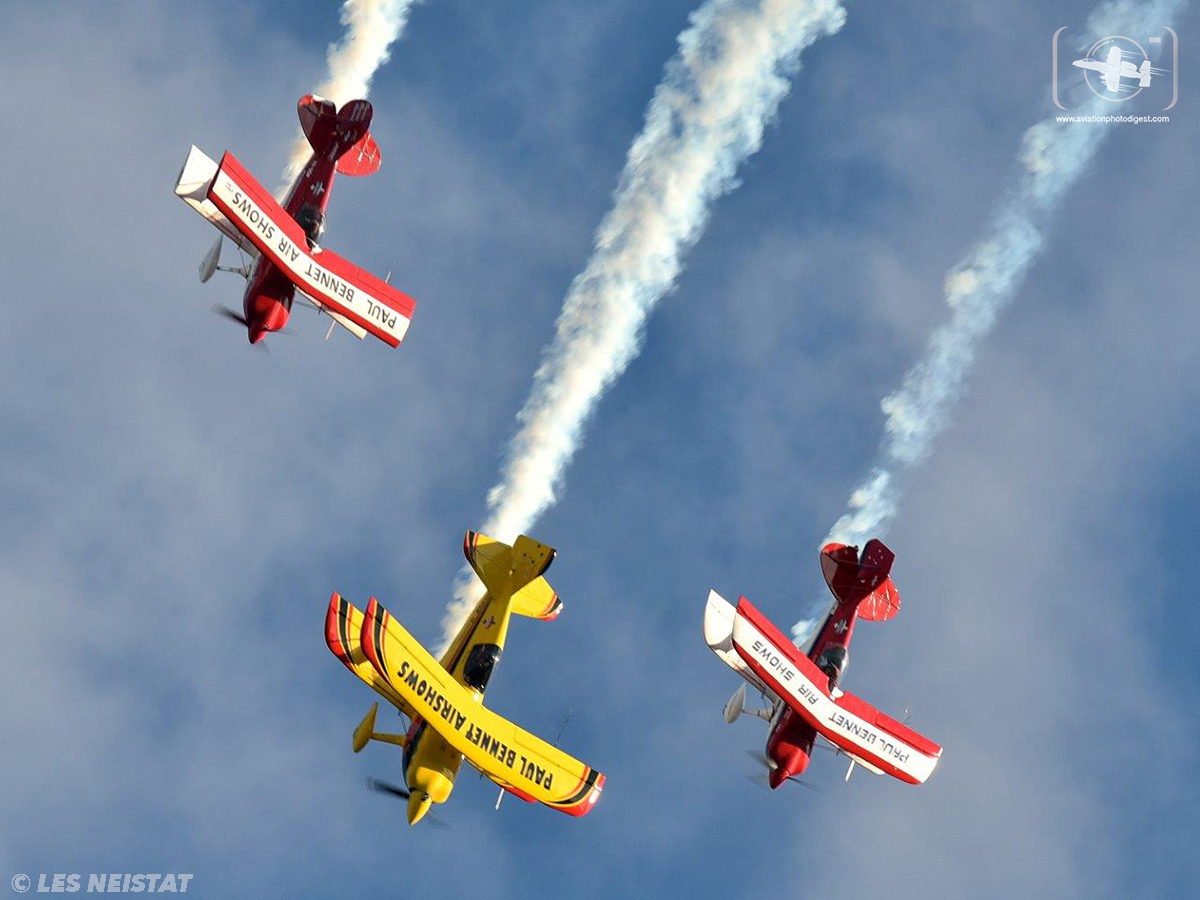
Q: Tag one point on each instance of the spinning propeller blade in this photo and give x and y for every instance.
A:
(762, 759)
(766, 762)
(227, 313)
(385, 787)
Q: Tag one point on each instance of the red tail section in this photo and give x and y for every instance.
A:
(340, 135)
(862, 581)
(363, 158)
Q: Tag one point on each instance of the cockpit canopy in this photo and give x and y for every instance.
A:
(833, 661)
(312, 220)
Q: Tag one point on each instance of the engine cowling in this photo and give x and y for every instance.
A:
(789, 748)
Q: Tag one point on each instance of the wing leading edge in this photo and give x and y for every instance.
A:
(328, 279)
(343, 628)
(847, 721)
(192, 186)
(521, 762)
(719, 615)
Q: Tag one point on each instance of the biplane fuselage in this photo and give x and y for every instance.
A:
(443, 699)
(430, 763)
(267, 302)
(803, 687)
(283, 240)
(790, 742)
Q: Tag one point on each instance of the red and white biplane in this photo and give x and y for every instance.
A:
(282, 241)
(806, 702)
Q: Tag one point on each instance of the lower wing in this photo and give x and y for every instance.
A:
(192, 188)
(719, 614)
(847, 721)
(516, 760)
(352, 327)
(343, 626)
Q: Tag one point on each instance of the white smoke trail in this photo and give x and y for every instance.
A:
(1052, 158)
(708, 113)
(371, 28)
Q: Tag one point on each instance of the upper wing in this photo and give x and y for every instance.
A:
(517, 760)
(718, 634)
(1114, 56)
(329, 279)
(343, 628)
(845, 720)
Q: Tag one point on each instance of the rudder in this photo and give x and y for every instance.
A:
(515, 572)
(342, 134)
(864, 581)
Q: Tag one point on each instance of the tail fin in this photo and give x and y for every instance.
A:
(1144, 73)
(530, 560)
(863, 581)
(515, 572)
(340, 134)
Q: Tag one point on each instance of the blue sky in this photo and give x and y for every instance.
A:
(177, 506)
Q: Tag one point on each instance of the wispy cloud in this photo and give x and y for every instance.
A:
(718, 93)
(1052, 158)
(372, 26)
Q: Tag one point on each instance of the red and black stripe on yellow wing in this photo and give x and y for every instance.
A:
(343, 627)
(537, 600)
(515, 759)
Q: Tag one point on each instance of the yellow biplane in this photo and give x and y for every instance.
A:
(444, 700)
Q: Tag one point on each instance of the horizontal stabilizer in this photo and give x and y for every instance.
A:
(862, 581)
(341, 134)
(363, 158)
(505, 571)
(537, 600)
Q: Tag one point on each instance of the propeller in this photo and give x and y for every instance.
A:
(761, 780)
(762, 759)
(386, 787)
(766, 762)
(227, 313)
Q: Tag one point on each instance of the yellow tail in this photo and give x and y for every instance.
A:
(515, 573)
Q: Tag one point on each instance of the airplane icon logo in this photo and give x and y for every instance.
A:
(1124, 65)
(1115, 66)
